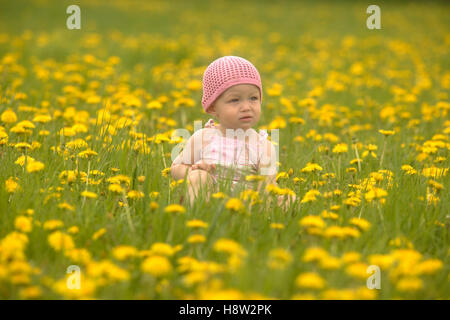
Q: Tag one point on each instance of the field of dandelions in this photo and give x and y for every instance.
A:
(86, 118)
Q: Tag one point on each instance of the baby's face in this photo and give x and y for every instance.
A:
(238, 107)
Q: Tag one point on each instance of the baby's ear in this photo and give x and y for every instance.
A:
(211, 110)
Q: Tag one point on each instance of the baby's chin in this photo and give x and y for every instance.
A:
(242, 126)
(246, 126)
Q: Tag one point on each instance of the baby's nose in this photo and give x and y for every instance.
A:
(246, 105)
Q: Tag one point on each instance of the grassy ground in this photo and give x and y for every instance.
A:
(97, 107)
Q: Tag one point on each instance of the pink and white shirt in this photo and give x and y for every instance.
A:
(244, 153)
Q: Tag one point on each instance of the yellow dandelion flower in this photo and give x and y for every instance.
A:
(87, 154)
(3, 137)
(229, 246)
(163, 249)
(73, 230)
(134, 194)
(338, 294)
(66, 206)
(157, 266)
(408, 169)
(310, 196)
(124, 252)
(357, 270)
(386, 132)
(31, 292)
(251, 178)
(98, 233)
(78, 255)
(8, 116)
(278, 226)
(221, 294)
(282, 175)
(340, 148)
(154, 205)
(86, 290)
(154, 194)
(310, 280)
(384, 261)
(175, 208)
(275, 90)
(155, 104)
(375, 193)
(311, 167)
(351, 257)
(297, 180)
(312, 221)
(35, 166)
(196, 238)
(234, 204)
(195, 277)
(118, 179)
(314, 254)
(350, 232)
(329, 215)
(116, 188)
(409, 284)
(194, 85)
(165, 172)
(67, 132)
(196, 224)
(334, 232)
(44, 132)
(11, 185)
(21, 160)
(279, 258)
(60, 241)
(42, 118)
(434, 172)
(430, 266)
(88, 194)
(436, 185)
(53, 224)
(330, 263)
(361, 223)
(23, 223)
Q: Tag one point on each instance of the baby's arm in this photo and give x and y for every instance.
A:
(268, 165)
(190, 154)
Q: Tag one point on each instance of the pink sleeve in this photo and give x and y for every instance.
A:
(191, 152)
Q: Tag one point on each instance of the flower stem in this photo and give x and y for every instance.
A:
(357, 157)
(127, 211)
(382, 153)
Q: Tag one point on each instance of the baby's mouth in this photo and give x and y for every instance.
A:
(246, 118)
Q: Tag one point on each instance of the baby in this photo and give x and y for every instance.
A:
(232, 93)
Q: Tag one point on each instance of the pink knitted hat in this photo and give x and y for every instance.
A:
(226, 72)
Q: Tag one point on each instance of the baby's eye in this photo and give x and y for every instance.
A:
(254, 98)
(234, 100)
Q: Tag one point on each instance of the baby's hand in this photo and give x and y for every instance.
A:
(208, 167)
